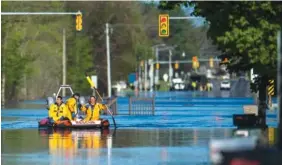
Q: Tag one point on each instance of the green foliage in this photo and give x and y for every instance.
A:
(32, 51)
(79, 61)
(245, 32)
(170, 5)
(32, 46)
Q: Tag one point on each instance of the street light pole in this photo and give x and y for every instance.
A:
(279, 85)
(108, 61)
(145, 76)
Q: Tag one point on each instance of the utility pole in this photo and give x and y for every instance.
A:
(145, 76)
(151, 74)
(140, 78)
(279, 85)
(170, 68)
(157, 70)
(108, 61)
(64, 62)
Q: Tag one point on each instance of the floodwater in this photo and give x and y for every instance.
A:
(179, 133)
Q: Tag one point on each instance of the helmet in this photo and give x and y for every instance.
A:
(76, 94)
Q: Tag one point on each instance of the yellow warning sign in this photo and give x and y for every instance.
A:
(271, 135)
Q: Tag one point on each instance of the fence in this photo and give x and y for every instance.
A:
(141, 106)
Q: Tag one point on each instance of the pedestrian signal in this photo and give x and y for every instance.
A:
(79, 22)
(163, 25)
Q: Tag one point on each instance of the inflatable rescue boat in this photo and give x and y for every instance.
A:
(99, 124)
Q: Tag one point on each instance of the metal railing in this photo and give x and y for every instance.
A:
(141, 106)
(112, 104)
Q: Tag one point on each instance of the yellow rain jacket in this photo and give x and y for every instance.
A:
(71, 105)
(56, 111)
(93, 111)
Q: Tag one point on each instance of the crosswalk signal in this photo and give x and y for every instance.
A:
(79, 22)
(163, 25)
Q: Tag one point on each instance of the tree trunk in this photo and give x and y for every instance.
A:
(262, 102)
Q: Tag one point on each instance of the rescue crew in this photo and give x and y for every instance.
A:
(58, 111)
(92, 109)
(71, 104)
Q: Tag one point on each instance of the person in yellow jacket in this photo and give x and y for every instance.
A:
(93, 109)
(71, 104)
(58, 111)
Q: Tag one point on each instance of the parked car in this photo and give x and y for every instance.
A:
(225, 85)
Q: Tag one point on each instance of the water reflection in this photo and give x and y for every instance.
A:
(65, 145)
(75, 147)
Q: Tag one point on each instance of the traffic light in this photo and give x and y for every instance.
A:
(211, 62)
(225, 60)
(194, 59)
(157, 66)
(176, 65)
(142, 63)
(79, 22)
(163, 25)
(195, 62)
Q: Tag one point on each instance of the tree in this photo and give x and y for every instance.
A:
(32, 50)
(248, 40)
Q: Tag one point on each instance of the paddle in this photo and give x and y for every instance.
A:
(93, 86)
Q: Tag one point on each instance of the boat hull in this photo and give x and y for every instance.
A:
(100, 124)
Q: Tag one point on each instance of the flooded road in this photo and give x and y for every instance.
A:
(124, 146)
(178, 133)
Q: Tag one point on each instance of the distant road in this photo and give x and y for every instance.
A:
(239, 88)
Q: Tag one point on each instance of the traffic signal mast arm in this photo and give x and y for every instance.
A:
(78, 16)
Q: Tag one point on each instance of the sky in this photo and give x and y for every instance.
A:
(197, 22)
